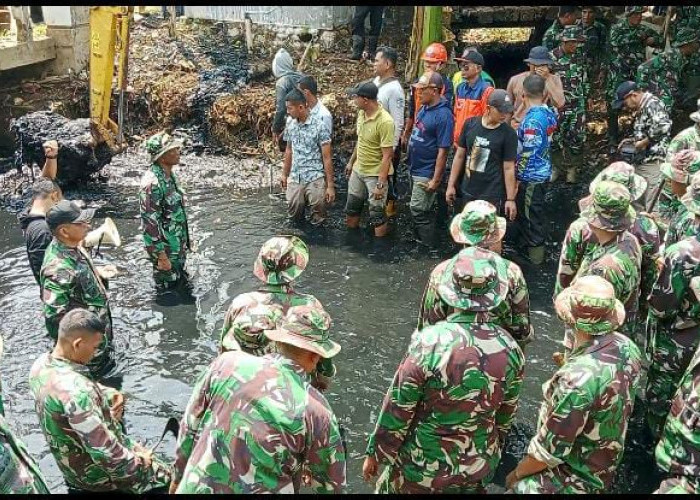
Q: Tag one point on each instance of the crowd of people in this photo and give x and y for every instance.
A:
(627, 291)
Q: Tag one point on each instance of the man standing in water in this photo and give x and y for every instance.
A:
(163, 219)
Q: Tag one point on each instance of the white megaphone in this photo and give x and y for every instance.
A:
(105, 234)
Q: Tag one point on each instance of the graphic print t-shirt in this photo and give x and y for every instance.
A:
(487, 149)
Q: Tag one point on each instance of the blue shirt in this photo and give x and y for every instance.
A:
(534, 138)
(464, 90)
(433, 130)
(306, 140)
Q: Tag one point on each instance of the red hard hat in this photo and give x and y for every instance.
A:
(436, 52)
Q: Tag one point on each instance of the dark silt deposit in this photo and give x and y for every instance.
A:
(76, 156)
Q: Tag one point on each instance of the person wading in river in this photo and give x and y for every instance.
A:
(166, 234)
(20, 472)
(446, 415)
(308, 161)
(45, 194)
(289, 435)
(81, 419)
(280, 262)
(68, 278)
(479, 225)
(587, 404)
(371, 162)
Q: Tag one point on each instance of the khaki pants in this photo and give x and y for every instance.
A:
(360, 189)
(311, 194)
(652, 173)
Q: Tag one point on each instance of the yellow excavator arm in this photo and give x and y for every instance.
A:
(109, 38)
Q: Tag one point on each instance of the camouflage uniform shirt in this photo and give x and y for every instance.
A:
(627, 50)
(550, 39)
(660, 74)
(583, 420)
(571, 133)
(250, 426)
(20, 473)
(653, 122)
(444, 418)
(678, 451)
(513, 315)
(684, 224)
(88, 444)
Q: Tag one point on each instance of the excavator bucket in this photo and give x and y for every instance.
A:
(109, 39)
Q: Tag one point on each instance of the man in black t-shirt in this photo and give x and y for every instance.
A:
(488, 146)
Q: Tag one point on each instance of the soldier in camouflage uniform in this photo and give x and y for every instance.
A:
(445, 417)
(566, 16)
(479, 225)
(281, 260)
(603, 230)
(163, 219)
(81, 419)
(678, 451)
(660, 75)
(571, 132)
(68, 279)
(673, 212)
(595, 45)
(674, 323)
(688, 222)
(687, 17)
(228, 445)
(644, 227)
(627, 50)
(587, 403)
(19, 473)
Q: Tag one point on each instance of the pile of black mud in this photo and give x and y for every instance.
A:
(77, 158)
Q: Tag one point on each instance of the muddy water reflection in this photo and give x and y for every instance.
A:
(371, 289)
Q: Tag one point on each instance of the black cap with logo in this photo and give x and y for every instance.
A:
(67, 212)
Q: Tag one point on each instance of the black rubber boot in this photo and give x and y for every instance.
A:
(372, 47)
(358, 45)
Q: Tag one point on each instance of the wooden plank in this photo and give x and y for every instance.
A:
(24, 54)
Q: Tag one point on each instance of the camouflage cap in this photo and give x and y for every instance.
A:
(281, 260)
(159, 144)
(572, 33)
(251, 322)
(685, 36)
(478, 223)
(474, 280)
(609, 207)
(589, 305)
(623, 173)
(683, 164)
(634, 9)
(691, 198)
(307, 327)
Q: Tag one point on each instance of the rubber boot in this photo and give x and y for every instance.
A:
(372, 47)
(358, 45)
(536, 254)
(390, 208)
(424, 234)
(571, 176)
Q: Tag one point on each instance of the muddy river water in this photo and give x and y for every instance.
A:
(371, 289)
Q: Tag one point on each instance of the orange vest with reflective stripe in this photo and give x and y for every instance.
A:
(468, 108)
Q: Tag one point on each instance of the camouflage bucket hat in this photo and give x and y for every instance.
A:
(682, 165)
(475, 280)
(589, 305)
(281, 260)
(609, 207)
(685, 36)
(307, 327)
(691, 198)
(622, 173)
(253, 321)
(634, 9)
(478, 223)
(159, 144)
(572, 33)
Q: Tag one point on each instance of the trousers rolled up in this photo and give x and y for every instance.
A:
(311, 194)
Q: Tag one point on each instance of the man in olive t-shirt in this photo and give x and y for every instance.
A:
(371, 162)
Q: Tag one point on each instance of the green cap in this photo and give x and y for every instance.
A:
(281, 260)
(622, 173)
(634, 9)
(572, 33)
(307, 327)
(159, 144)
(478, 223)
(589, 305)
(609, 207)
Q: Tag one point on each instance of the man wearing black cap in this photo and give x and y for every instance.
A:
(490, 147)
(371, 162)
(566, 17)
(540, 63)
(652, 133)
(472, 94)
(69, 279)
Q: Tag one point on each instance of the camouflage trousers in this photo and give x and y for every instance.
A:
(103, 361)
(571, 133)
(412, 479)
(550, 482)
(671, 352)
(678, 486)
(168, 279)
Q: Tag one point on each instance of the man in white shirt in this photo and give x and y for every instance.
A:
(392, 98)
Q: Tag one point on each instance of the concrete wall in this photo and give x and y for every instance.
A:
(313, 17)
